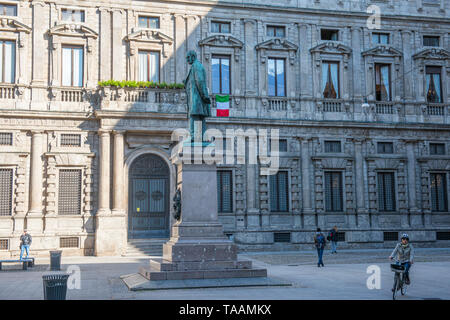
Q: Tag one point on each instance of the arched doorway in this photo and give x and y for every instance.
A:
(148, 200)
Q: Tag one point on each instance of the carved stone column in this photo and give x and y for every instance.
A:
(104, 173)
(308, 211)
(415, 218)
(118, 170)
(34, 215)
(361, 210)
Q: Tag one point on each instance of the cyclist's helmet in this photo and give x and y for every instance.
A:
(405, 236)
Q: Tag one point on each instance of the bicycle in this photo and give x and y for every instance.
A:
(399, 280)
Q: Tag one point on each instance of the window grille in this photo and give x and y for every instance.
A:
(69, 242)
(6, 180)
(333, 192)
(390, 236)
(70, 140)
(279, 192)
(443, 235)
(386, 191)
(439, 192)
(224, 191)
(340, 236)
(430, 41)
(6, 138)
(329, 34)
(332, 146)
(69, 194)
(4, 244)
(282, 237)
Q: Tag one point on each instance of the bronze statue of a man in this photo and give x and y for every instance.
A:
(198, 100)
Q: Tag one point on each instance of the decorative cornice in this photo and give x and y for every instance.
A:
(146, 35)
(11, 24)
(432, 53)
(383, 50)
(331, 47)
(277, 44)
(221, 41)
(72, 30)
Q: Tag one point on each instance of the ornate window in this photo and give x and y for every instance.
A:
(438, 192)
(72, 66)
(386, 191)
(220, 74)
(333, 191)
(6, 138)
(69, 192)
(149, 52)
(382, 82)
(149, 66)
(279, 192)
(70, 140)
(225, 191)
(330, 80)
(6, 191)
(434, 84)
(7, 61)
(276, 74)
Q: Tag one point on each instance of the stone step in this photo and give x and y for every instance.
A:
(153, 275)
(164, 265)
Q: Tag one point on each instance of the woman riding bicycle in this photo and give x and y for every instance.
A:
(404, 253)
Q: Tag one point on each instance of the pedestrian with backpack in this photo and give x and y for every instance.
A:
(332, 236)
(319, 241)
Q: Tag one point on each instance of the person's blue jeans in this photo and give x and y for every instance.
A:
(24, 247)
(320, 254)
(333, 246)
(407, 266)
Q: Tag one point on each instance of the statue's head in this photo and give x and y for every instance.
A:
(191, 56)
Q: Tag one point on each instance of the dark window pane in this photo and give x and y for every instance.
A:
(224, 191)
(276, 77)
(6, 191)
(69, 192)
(8, 9)
(385, 147)
(430, 41)
(328, 34)
(439, 191)
(437, 149)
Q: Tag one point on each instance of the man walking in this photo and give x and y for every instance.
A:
(25, 242)
(319, 241)
(332, 236)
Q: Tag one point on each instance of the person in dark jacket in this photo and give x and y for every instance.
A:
(319, 241)
(332, 236)
(25, 242)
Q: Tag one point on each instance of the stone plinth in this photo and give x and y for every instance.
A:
(198, 248)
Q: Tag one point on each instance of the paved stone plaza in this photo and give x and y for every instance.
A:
(343, 277)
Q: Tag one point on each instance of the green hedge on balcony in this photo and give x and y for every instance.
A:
(140, 84)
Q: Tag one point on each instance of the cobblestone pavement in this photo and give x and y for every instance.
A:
(343, 277)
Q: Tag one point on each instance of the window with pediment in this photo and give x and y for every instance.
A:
(149, 54)
(72, 66)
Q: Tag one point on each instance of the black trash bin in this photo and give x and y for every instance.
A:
(55, 286)
(55, 260)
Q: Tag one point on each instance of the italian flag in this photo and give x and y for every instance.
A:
(223, 105)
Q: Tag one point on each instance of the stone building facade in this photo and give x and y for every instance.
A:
(363, 116)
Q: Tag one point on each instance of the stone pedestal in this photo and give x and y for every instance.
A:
(198, 248)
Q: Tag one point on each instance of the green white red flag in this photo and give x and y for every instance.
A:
(223, 105)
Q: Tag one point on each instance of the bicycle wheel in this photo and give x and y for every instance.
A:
(403, 286)
(394, 289)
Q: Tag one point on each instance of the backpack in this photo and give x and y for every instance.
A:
(330, 234)
(320, 241)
